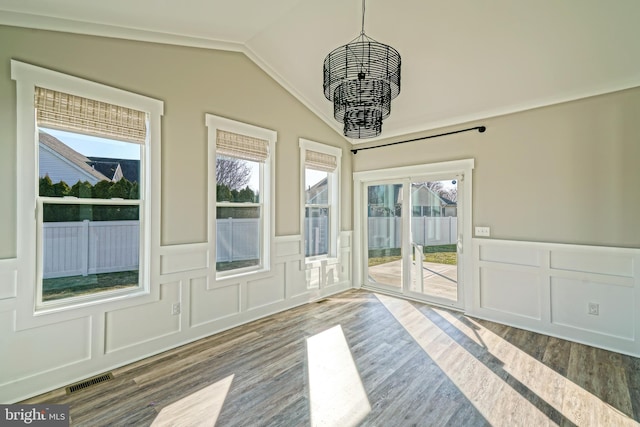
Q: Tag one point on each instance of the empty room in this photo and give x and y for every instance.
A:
(326, 213)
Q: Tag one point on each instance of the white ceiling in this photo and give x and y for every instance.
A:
(462, 60)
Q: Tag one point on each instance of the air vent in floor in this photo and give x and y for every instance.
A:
(89, 382)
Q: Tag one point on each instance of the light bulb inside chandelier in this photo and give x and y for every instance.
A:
(361, 78)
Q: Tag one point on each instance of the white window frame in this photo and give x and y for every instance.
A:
(333, 183)
(27, 77)
(267, 195)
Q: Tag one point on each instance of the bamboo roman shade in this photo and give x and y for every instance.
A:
(59, 110)
(241, 146)
(320, 161)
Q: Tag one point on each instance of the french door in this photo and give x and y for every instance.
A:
(412, 237)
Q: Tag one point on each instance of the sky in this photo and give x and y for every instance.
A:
(92, 146)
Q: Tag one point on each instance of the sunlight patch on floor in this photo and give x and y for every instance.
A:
(201, 408)
(498, 403)
(496, 400)
(336, 394)
(572, 401)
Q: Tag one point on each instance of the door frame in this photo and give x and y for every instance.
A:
(456, 167)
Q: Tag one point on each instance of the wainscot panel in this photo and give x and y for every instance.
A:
(612, 264)
(570, 307)
(509, 255)
(136, 325)
(510, 291)
(267, 291)
(208, 305)
(586, 294)
(295, 281)
(181, 258)
(312, 277)
(8, 278)
(36, 351)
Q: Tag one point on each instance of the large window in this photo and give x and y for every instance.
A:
(240, 167)
(320, 194)
(86, 174)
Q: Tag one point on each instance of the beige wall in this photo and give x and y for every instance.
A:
(568, 173)
(191, 82)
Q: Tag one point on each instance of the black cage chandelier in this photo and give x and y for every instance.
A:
(361, 78)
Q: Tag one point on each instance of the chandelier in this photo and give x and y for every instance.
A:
(361, 78)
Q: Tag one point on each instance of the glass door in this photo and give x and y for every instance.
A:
(384, 232)
(434, 240)
(411, 238)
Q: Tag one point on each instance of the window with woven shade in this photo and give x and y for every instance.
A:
(92, 194)
(73, 113)
(320, 170)
(240, 166)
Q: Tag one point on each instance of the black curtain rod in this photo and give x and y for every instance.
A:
(479, 128)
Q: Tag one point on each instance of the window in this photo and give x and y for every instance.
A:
(240, 173)
(87, 175)
(320, 194)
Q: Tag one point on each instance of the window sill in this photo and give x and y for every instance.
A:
(68, 304)
(231, 275)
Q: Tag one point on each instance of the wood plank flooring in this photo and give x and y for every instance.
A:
(410, 364)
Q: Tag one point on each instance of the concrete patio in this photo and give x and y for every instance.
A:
(439, 280)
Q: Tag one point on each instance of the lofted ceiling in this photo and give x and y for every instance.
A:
(462, 60)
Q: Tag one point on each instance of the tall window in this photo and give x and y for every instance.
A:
(86, 171)
(320, 193)
(240, 166)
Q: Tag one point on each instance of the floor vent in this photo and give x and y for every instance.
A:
(89, 382)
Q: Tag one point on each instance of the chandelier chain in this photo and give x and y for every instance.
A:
(363, 9)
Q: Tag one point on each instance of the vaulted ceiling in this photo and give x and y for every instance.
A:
(462, 60)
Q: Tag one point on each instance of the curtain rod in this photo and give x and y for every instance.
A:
(479, 128)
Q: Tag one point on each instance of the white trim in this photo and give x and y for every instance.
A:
(27, 20)
(214, 123)
(424, 171)
(27, 77)
(334, 184)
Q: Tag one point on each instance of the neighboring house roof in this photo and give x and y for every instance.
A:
(111, 169)
(317, 194)
(425, 196)
(448, 202)
(130, 169)
(69, 155)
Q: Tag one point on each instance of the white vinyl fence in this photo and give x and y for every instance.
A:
(316, 232)
(89, 247)
(386, 232)
(237, 239)
(92, 247)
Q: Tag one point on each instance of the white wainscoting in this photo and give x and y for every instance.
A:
(8, 279)
(70, 347)
(548, 288)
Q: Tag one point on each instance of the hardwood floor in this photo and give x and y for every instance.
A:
(365, 359)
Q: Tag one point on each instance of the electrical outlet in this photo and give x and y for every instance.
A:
(483, 231)
(175, 308)
(594, 309)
